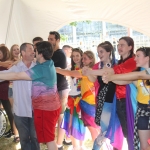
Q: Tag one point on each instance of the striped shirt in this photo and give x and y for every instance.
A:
(44, 86)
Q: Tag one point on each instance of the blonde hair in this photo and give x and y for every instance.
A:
(91, 56)
(11, 52)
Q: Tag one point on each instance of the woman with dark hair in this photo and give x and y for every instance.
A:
(142, 119)
(72, 123)
(105, 100)
(98, 65)
(4, 56)
(14, 57)
(125, 64)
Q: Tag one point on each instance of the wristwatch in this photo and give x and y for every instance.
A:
(147, 71)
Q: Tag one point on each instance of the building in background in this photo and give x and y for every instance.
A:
(88, 34)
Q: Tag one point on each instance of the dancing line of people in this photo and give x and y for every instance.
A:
(45, 91)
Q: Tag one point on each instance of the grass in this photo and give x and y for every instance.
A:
(8, 144)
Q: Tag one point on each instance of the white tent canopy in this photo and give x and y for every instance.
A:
(22, 20)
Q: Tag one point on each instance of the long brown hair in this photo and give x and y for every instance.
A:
(108, 48)
(78, 50)
(5, 52)
(130, 42)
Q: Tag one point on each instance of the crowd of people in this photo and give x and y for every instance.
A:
(43, 86)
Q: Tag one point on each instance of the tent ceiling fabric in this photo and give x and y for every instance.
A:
(32, 18)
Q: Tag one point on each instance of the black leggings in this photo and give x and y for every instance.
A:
(121, 112)
(7, 107)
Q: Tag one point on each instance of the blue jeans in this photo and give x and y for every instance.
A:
(96, 146)
(27, 134)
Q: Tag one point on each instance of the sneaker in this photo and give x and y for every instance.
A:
(16, 139)
(67, 143)
(60, 148)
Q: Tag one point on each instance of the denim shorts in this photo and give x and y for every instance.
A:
(10, 93)
(143, 121)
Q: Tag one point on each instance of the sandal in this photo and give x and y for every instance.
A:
(16, 139)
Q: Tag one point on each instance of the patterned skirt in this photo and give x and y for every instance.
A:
(72, 123)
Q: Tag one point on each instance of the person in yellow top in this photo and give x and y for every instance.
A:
(142, 119)
(143, 92)
(87, 89)
(87, 102)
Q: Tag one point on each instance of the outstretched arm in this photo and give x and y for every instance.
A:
(6, 64)
(132, 76)
(92, 74)
(73, 73)
(122, 82)
(86, 71)
(99, 72)
(14, 76)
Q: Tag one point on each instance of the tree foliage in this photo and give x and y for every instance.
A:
(76, 22)
(63, 38)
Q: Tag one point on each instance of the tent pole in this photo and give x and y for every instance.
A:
(9, 21)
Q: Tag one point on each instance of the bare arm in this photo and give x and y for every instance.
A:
(130, 76)
(6, 64)
(72, 73)
(122, 82)
(14, 76)
(99, 72)
(92, 78)
(92, 74)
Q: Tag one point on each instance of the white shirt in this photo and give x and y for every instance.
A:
(22, 105)
(73, 84)
(68, 62)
